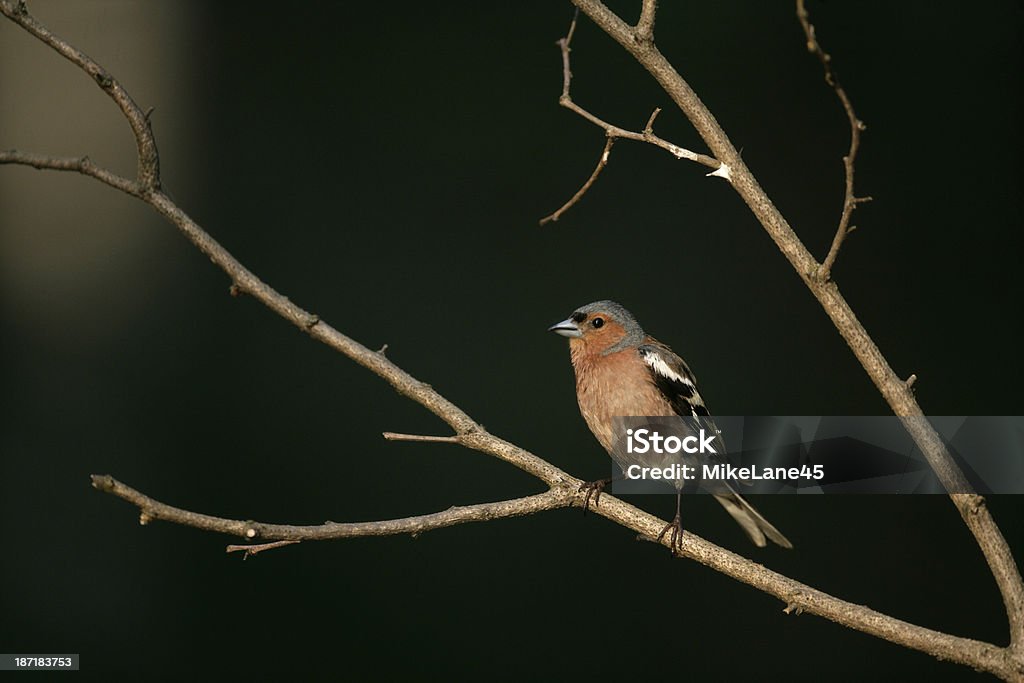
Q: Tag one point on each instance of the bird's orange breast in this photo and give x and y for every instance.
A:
(618, 384)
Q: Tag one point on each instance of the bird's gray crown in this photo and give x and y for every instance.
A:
(618, 313)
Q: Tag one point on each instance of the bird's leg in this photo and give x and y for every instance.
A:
(594, 490)
(675, 541)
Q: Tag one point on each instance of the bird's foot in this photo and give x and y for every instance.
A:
(675, 540)
(594, 490)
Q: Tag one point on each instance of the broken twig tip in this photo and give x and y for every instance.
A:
(722, 171)
(649, 128)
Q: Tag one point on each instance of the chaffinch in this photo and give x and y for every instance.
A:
(621, 371)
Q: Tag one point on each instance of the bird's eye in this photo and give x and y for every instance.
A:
(597, 322)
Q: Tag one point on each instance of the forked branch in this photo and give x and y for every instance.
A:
(645, 25)
(850, 200)
(613, 132)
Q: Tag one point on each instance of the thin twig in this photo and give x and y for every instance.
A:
(83, 165)
(257, 548)
(394, 436)
(151, 509)
(601, 163)
(850, 200)
(613, 132)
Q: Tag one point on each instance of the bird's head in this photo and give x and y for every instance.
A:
(600, 328)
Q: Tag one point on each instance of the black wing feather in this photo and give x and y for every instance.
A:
(674, 380)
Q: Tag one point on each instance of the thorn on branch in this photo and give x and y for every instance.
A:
(381, 351)
(911, 381)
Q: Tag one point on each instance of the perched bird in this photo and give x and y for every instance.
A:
(621, 371)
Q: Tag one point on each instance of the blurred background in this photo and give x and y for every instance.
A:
(385, 165)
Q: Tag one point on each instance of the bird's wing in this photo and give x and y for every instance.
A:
(673, 379)
(678, 386)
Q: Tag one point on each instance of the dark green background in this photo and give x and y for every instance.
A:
(385, 165)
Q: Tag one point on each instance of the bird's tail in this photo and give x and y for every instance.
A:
(756, 526)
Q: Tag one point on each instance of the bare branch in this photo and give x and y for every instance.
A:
(83, 165)
(148, 158)
(895, 391)
(613, 132)
(850, 201)
(797, 597)
(151, 509)
(601, 163)
(393, 436)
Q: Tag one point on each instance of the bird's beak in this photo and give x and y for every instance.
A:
(566, 328)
